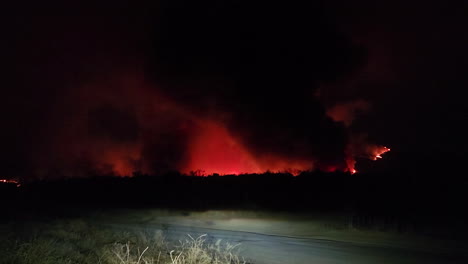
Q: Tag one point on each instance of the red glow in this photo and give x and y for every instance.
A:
(350, 164)
(346, 112)
(215, 150)
(120, 160)
(211, 147)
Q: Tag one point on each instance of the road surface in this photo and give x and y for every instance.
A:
(262, 248)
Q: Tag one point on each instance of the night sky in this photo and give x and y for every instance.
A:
(232, 86)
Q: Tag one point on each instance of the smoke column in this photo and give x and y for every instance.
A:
(210, 86)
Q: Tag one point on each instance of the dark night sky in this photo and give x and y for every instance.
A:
(90, 87)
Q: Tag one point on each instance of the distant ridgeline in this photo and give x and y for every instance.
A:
(381, 194)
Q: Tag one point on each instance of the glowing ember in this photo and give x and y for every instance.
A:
(350, 161)
(377, 152)
(10, 181)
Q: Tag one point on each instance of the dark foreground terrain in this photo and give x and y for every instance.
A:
(244, 236)
(276, 218)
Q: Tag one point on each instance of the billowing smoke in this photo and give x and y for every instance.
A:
(346, 112)
(209, 86)
(254, 67)
(119, 126)
(358, 147)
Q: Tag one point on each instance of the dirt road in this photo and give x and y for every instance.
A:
(263, 248)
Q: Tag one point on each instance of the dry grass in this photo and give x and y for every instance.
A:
(77, 241)
(196, 250)
(190, 251)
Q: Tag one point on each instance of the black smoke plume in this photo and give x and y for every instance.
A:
(255, 66)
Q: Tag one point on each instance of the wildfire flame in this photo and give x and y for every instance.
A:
(215, 150)
(372, 152)
(378, 152)
(10, 181)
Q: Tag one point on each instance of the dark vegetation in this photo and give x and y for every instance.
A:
(400, 203)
